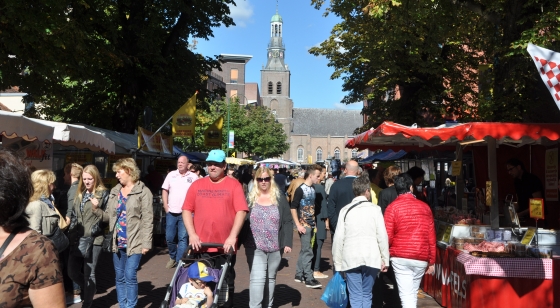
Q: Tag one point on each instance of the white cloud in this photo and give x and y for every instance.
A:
(241, 13)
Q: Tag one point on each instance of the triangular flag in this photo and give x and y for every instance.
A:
(547, 62)
(184, 120)
(213, 134)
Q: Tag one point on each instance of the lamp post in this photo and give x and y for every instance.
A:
(228, 131)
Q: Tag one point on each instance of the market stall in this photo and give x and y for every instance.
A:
(508, 271)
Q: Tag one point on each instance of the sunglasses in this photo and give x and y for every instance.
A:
(267, 179)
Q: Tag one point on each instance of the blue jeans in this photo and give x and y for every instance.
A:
(126, 280)
(360, 284)
(174, 226)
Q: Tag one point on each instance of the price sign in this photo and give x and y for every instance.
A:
(447, 234)
(528, 237)
(489, 193)
(456, 168)
(536, 208)
(441, 231)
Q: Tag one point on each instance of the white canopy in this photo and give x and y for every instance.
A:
(276, 161)
(15, 125)
(79, 136)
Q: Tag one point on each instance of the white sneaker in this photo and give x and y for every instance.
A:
(73, 299)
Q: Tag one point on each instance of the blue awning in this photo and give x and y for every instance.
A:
(194, 157)
(389, 155)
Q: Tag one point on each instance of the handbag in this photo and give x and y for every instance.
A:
(59, 240)
(85, 246)
(107, 245)
(61, 220)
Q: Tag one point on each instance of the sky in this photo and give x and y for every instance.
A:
(303, 27)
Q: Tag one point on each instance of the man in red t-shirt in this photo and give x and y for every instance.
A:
(214, 211)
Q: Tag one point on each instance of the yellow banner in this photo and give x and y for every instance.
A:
(159, 143)
(184, 119)
(536, 208)
(213, 134)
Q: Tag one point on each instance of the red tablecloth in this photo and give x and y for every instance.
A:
(451, 286)
(531, 268)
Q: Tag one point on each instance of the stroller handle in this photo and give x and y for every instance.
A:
(210, 245)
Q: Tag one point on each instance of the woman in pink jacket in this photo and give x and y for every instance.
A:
(412, 240)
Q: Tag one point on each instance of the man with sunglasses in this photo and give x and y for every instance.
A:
(214, 211)
(303, 212)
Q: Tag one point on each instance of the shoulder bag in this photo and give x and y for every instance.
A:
(8, 241)
(59, 240)
(107, 245)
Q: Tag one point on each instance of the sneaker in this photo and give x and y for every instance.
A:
(319, 275)
(313, 283)
(171, 264)
(299, 279)
(73, 299)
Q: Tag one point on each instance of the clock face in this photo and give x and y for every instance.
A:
(275, 54)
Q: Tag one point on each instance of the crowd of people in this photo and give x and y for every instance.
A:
(380, 230)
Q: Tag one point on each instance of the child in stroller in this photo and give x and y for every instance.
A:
(195, 293)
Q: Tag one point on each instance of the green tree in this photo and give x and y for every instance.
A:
(256, 129)
(430, 51)
(101, 62)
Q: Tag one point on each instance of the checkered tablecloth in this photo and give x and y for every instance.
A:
(531, 268)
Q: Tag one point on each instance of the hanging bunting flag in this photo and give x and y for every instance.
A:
(547, 62)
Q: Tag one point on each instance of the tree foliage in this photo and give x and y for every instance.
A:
(256, 130)
(413, 61)
(101, 62)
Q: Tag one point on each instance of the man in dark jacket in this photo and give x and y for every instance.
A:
(322, 220)
(341, 193)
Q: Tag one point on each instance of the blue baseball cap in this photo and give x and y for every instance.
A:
(198, 270)
(217, 156)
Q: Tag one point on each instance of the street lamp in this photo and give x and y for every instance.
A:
(228, 131)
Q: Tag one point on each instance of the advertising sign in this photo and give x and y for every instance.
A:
(551, 175)
(37, 154)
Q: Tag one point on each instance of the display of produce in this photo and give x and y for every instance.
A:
(485, 247)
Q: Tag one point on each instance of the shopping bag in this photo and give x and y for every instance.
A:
(335, 293)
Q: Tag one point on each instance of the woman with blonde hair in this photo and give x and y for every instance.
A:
(130, 216)
(90, 194)
(268, 234)
(40, 211)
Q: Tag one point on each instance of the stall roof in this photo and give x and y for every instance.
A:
(79, 136)
(389, 155)
(515, 134)
(15, 125)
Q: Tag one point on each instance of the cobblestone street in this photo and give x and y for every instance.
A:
(153, 278)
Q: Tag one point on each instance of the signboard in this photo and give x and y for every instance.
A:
(231, 139)
(159, 143)
(536, 208)
(528, 237)
(213, 134)
(79, 158)
(551, 175)
(456, 167)
(37, 154)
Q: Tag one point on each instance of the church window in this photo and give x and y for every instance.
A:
(270, 87)
(300, 154)
(274, 112)
(319, 154)
(278, 87)
(234, 75)
(354, 153)
(336, 153)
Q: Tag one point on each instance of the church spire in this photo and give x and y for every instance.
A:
(276, 49)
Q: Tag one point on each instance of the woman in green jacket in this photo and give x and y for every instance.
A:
(130, 214)
(90, 194)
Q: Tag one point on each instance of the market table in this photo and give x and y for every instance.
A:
(461, 280)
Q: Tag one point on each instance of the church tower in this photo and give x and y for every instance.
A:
(275, 77)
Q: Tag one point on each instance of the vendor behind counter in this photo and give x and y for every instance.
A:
(527, 186)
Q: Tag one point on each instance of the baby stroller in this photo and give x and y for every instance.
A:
(180, 277)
